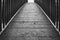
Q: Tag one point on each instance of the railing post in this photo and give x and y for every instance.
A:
(57, 17)
(50, 8)
(1, 19)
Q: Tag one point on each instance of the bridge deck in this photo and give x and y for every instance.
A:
(30, 24)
